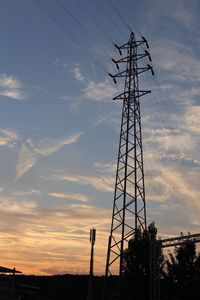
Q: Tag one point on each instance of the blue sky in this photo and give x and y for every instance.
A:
(59, 128)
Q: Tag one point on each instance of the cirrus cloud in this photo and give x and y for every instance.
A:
(70, 196)
(77, 73)
(31, 152)
(99, 91)
(100, 183)
(8, 137)
(11, 87)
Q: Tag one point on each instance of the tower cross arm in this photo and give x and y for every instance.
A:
(137, 56)
(118, 75)
(124, 94)
(137, 71)
(180, 240)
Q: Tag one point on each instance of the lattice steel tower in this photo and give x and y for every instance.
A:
(129, 209)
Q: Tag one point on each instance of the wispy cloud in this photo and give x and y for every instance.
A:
(60, 63)
(178, 188)
(105, 167)
(26, 193)
(178, 59)
(77, 73)
(47, 147)
(14, 206)
(181, 12)
(172, 164)
(169, 142)
(11, 87)
(27, 159)
(100, 91)
(31, 152)
(8, 137)
(190, 119)
(71, 196)
(46, 236)
(101, 183)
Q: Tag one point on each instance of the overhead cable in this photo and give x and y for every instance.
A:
(82, 27)
(67, 33)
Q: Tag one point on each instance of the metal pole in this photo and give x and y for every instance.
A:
(91, 272)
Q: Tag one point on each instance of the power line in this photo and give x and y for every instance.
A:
(95, 21)
(118, 13)
(125, 12)
(101, 28)
(109, 18)
(67, 33)
(82, 27)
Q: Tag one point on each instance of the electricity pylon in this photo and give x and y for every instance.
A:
(129, 208)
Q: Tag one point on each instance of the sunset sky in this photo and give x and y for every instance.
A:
(59, 127)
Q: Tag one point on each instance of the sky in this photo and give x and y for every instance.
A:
(59, 127)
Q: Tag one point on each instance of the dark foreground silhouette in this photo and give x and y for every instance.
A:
(75, 287)
(57, 287)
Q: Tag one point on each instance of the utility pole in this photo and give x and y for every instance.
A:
(92, 241)
(129, 207)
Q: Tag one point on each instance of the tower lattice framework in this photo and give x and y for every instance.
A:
(129, 208)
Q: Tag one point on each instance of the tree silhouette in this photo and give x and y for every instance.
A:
(136, 259)
(182, 271)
